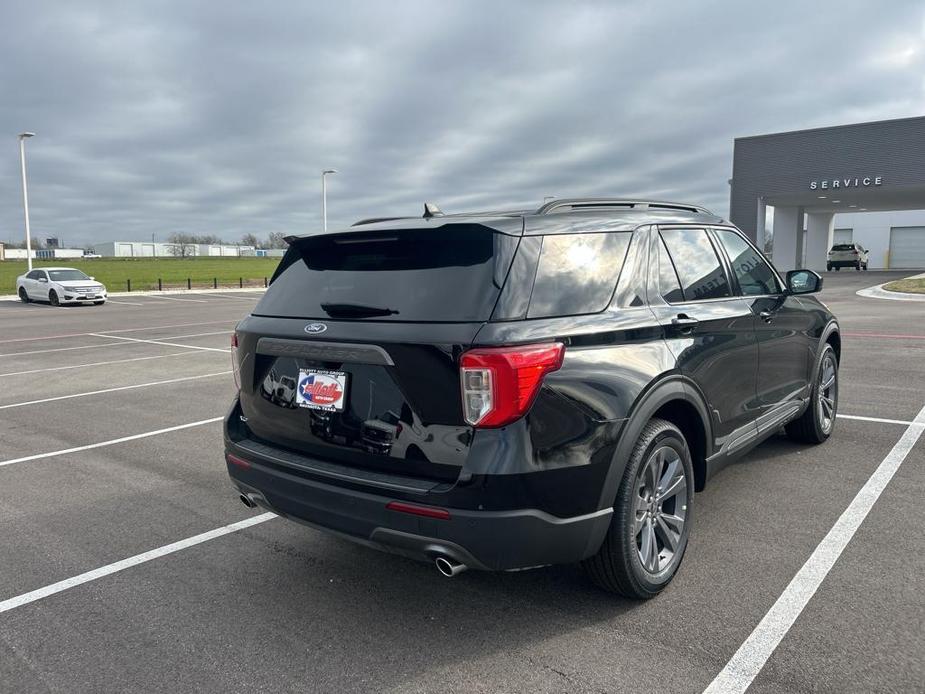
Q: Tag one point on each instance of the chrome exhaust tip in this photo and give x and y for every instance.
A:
(247, 501)
(449, 567)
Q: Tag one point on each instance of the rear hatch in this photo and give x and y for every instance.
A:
(352, 354)
(843, 251)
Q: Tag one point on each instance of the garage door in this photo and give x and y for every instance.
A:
(843, 236)
(907, 247)
(124, 250)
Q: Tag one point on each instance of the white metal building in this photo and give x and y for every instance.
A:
(896, 240)
(47, 253)
(148, 249)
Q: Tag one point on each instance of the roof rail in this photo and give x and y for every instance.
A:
(588, 203)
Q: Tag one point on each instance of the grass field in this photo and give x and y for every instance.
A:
(912, 285)
(144, 272)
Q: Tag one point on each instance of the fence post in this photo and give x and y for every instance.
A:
(160, 286)
(189, 283)
(264, 282)
(128, 284)
(241, 282)
(215, 283)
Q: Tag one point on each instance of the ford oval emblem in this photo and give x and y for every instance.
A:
(315, 328)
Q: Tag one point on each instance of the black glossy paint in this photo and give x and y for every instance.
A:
(730, 359)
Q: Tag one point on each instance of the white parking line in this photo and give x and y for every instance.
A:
(122, 330)
(880, 420)
(748, 661)
(109, 569)
(174, 298)
(127, 303)
(62, 349)
(95, 363)
(123, 340)
(226, 297)
(111, 442)
(114, 390)
(167, 344)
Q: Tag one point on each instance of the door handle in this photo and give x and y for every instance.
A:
(766, 316)
(685, 323)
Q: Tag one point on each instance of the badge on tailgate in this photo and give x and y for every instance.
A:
(322, 390)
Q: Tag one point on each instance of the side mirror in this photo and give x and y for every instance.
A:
(93, 278)
(803, 282)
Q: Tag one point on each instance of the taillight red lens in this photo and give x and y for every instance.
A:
(415, 510)
(235, 369)
(238, 462)
(499, 384)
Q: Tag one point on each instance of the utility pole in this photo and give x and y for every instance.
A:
(25, 194)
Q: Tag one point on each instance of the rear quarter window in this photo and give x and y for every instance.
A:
(577, 273)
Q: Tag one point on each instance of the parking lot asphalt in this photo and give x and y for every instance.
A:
(128, 458)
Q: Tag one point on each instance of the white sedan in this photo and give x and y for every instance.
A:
(59, 285)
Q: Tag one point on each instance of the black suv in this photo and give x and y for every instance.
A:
(510, 390)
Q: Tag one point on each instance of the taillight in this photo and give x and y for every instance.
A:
(416, 510)
(237, 462)
(235, 368)
(499, 384)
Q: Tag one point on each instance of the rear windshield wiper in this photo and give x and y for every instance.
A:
(356, 311)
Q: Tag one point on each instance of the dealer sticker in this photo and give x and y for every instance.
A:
(322, 390)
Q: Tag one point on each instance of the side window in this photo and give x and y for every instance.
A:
(668, 284)
(577, 273)
(699, 269)
(34, 275)
(754, 275)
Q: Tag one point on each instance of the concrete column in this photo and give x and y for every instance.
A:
(788, 226)
(820, 228)
(761, 224)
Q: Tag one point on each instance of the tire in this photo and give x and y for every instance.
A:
(828, 268)
(23, 296)
(857, 266)
(815, 425)
(619, 566)
(53, 298)
(837, 268)
(865, 266)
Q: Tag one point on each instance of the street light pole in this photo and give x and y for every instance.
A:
(25, 194)
(324, 197)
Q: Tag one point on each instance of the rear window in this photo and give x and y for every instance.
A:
(452, 273)
(577, 273)
(843, 247)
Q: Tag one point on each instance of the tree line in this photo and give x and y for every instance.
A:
(185, 244)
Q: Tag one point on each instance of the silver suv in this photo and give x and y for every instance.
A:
(847, 255)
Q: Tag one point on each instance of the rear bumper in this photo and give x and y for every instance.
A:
(491, 540)
(844, 263)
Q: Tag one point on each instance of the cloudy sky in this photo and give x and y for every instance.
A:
(217, 117)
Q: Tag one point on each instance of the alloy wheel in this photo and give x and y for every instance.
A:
(661, 509)
(827, 393)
